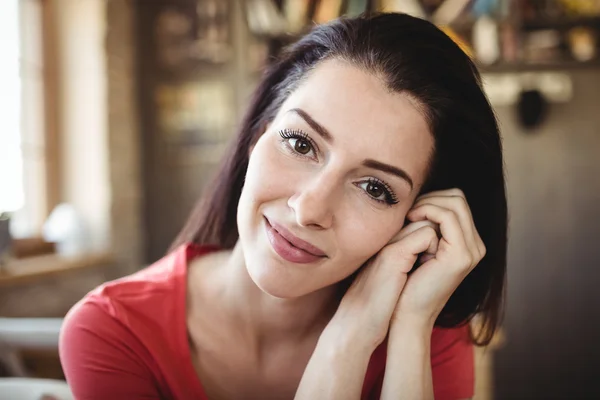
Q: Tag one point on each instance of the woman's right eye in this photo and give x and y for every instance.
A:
(297, 141)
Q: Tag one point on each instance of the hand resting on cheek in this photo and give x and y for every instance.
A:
(440, 239)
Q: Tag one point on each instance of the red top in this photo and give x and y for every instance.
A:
(128, 339)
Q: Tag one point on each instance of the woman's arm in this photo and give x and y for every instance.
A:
(451, 364)
(417, 356)
(408, 364)
(339, 363)
(337, 367)
(408, 370)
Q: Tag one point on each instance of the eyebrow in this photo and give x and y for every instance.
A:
(400, 173)
(369, 163)
(320, 129)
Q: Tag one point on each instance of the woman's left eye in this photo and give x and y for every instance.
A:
(298, 141)
(378, 191)
(300, 145)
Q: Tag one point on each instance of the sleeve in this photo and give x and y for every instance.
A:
(452, 364)
(102, 359)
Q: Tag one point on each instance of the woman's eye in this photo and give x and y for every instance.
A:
(300, 145)
(378, 191)
(297, 141)
(375, 190)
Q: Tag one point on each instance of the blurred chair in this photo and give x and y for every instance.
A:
(34, 334)
(34, 389)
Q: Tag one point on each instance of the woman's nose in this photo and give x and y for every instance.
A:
(314, 203)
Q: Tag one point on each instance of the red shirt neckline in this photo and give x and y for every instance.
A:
(183, 257)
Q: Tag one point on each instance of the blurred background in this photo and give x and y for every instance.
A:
(115, 114)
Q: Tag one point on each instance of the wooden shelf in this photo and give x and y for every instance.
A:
(25, 270)
(560, 23)
(551, 66)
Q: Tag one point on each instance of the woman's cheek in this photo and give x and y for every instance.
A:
(369, 230)
(273, 173)
(358, 240)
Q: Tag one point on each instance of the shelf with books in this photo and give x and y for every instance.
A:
(503, 67)
(505, 35)
(561, 23)
(284, 19)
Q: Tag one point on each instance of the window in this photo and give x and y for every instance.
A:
(23, 152)
(11, 162)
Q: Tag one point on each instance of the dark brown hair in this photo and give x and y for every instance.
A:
(415, 57)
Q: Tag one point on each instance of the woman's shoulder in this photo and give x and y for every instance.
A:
(109, 340)
(161, 277)
(153, 292)
(130, 332)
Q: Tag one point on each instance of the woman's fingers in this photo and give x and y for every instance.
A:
(414, 239)
(395, 260)
(374, 293)
(458, 206)
(453, 243)
(447, 220)
(411, 227)
(455, 200)
(399, 256)
(444, 193)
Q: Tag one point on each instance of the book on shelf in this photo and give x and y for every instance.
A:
(327, 10)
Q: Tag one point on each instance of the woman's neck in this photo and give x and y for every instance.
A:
(266, 321)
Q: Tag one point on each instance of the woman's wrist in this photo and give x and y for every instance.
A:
(411, 322)
(342, 340)
(408, 366)
(337, 367)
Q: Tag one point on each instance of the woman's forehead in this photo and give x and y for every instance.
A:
(347, 95)
(360, 112)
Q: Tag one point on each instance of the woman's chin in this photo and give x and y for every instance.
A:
(276, 283)
(279, 282)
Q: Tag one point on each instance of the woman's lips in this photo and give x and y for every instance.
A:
(287, 249)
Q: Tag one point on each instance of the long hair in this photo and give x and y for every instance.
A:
(414, 57)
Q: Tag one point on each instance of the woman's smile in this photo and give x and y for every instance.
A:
(290, 247)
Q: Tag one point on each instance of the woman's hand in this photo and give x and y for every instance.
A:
(366, 309)
(362, 319)
(459, 250)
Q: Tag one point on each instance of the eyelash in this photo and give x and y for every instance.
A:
(287, 134)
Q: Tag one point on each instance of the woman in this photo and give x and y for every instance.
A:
(369, 149)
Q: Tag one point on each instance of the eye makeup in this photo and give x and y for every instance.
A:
(300, 144)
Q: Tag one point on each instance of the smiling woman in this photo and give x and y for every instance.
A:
(356, 227)
(328, 157)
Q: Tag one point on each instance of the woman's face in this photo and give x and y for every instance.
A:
(338, 168)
